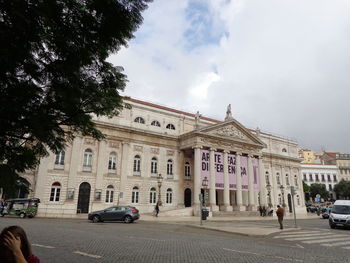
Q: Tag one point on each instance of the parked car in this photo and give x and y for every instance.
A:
(326, 212)
(22, 207)
(128, 214)
(312, 208)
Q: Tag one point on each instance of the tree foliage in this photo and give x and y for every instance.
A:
(54, 76)
(342, 189)
(319, 189)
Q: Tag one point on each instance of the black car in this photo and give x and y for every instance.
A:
(128, 214)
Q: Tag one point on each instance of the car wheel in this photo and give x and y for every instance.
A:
(22, 215)
(127, 219)
(332, 226)
(96, 219)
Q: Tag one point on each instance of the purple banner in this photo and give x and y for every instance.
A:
(256, 178)
(244, 172)
(232, 171)
(205, 166)
(219, 170)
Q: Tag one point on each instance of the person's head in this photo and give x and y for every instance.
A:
(278, 206)
(17, 231)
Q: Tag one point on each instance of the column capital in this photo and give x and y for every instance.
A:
(197, 147)
(239, 153)
(125, 143)
(226, 151)
(213, 149)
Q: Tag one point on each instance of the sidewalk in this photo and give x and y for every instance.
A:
(248, 226)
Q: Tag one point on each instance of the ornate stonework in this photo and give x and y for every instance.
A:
(155, 150)
(89, 141)
(170, 152)
(114, 145)
(138, 148)
(229, 131)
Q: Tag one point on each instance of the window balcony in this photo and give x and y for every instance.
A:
(58, 167)
(154, 175)
(112, 171)
(87, 168)
(187, 177)
(137, 173)
(170, 176)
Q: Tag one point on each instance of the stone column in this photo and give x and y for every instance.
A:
(124, 172)
(227, 205)
(212, 190)
(251, 202)
(197, 179)
(239, 204)
(263, 191)
(181, 173)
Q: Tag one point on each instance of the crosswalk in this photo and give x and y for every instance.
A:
(319, 237)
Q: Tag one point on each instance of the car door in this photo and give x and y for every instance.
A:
(109, 214)
(120, 213)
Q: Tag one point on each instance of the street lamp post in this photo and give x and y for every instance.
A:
(282, 193)
(159, 180)
(205, 187)
(268, 188)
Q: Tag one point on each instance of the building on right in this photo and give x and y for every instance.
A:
(343, 165)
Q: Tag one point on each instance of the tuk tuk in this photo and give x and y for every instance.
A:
(21, 207)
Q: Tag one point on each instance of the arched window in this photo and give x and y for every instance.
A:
(135, 195)
(139, 120)
(170, 126)
(169, 196)
(154, 166)
(155, 123)
(267, 178)
(187, 171)
(287, 179)
(137, 165)
(60, 158)
(152, 196)
(109, 194)
(55, 192)
(87, 158)
(278, 180)
(169, 167)
(112, 162)
(295, 181)
(284, 150)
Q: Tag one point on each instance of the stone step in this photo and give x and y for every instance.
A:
(235, 213)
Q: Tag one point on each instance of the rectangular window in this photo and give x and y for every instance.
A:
(329, 177)
(310, 178)
(322, 177)
(316, 178)
(304, 175)
(334, 178)
(330, 187)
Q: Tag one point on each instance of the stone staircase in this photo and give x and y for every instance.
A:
(235, 214)
(188, 211)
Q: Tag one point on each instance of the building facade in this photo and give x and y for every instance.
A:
(343, 164)
(149, 140)
(321, 174)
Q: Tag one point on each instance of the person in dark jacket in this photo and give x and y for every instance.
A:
(156, 209)
(280, 214)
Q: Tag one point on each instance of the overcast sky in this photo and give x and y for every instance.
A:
(283, 65)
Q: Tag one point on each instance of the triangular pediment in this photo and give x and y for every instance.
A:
(231, 130)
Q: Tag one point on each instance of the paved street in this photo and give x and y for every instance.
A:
(76, 240)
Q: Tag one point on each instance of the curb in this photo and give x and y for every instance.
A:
(240, 233)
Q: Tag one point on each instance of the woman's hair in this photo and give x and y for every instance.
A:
(17, 231)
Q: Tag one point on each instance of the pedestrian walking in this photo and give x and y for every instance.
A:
(261, 210)
(2, 204)
(280, 214)
(156, 210)
(15, 247)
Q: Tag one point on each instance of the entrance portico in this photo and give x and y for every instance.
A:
(221, 152)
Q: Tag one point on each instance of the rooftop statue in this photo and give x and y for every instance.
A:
(228, 113)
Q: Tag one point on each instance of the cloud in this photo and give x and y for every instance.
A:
(283, 65)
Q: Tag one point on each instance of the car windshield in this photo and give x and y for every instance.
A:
(341, 209)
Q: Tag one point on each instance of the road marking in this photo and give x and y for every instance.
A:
(346, 247)
(300, 232)
(299, 245)
(313, 238)
(325, 240)
(87, 255)
(259, 254)
(337, 244)
(38, 245)
(297, 235)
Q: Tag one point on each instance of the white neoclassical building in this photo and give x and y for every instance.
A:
(147, 140)
(318, 173)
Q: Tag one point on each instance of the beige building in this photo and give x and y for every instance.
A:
(308, 156)
(343, 164)
(149, 140)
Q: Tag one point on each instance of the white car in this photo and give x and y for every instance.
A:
(340, 214)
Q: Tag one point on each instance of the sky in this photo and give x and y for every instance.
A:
(284, 66)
